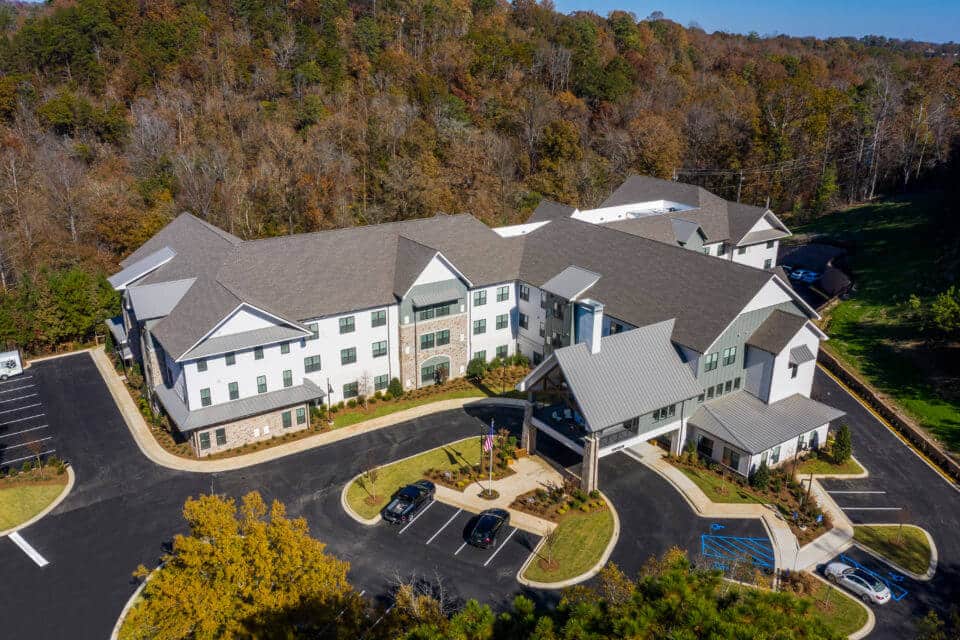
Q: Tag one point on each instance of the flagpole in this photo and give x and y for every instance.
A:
(491, 456)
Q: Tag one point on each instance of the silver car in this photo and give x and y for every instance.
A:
(870, 589)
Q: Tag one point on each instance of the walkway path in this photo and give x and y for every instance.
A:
(154, 451)
(789, 555)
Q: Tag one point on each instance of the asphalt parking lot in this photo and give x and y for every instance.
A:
(24, 429)
(444, 528)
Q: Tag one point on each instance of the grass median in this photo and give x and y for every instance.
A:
(369, 493)
(577, 545)
(20, 502)
(718, 489)
(823, 466)
(906, 546)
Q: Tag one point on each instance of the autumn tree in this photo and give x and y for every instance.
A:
(242, 570)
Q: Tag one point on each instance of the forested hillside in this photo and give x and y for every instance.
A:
(272, 116)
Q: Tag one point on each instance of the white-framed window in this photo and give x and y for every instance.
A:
(480, 298)
(205, 397)
(729, 356)
(347, 325)
(711, 361)
(503, 293)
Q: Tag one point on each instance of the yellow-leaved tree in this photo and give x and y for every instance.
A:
(243, 571)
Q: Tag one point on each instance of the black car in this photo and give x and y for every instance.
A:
(488, 525)
(407, 501)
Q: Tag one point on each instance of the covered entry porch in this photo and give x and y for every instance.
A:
(630, 388)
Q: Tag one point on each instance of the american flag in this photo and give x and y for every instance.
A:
(488, 441)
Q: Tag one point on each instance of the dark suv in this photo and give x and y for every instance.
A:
(407, 501)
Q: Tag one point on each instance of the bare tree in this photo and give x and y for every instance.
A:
(64, 181)
(36, 449)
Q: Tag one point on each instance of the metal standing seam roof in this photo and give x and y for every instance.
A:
(243, 340)
(187, 420)
(141, 267)
(159, 299)
(801, 354)
(634, 373)
(117, 330)
(776, 331)
(743, 420)
(683, 229)
(436, 293)
(570, 283)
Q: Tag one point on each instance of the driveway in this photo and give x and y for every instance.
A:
(901, 480)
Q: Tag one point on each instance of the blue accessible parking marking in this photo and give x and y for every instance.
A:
(724, 550)
(889, 578)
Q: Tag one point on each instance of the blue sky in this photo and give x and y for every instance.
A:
(929, 20)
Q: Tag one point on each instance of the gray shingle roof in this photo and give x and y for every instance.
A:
(634, 373)
(201, 308)
(159, 299)
(744, 421)
(550, 210)
(644, 281)
(188, 421)
(244, 340)
(412, 259)
(741, 218)
(570, 283)
(756, 237)
(776, 331)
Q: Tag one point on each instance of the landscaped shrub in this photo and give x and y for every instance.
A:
(595, 494)
(520, 360)
(395, 388)
(476, 368)
(372, 401)
(760, 478)
(387, 397)
(378, 395)
(352, 403)
(842, 445)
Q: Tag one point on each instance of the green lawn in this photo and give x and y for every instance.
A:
(717, 489)
(20, 503)
(348, 417)
(906, 546)
(368, 499)
(839, 613)
(581, 539)
(824, 466)
(896, 252)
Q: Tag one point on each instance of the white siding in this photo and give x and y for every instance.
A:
(781, 384)
(493, 337)
(769, 295)
(755, 255)
(244, 319)
(437, 270)
(327, 346)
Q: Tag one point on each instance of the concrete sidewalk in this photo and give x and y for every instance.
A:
(788, 553)
(151, 448)
(529, 473)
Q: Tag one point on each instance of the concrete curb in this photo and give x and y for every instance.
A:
(934, 558)
(152, 450)
(843, 476)
(115, 634)
(350, 512)
(71, 480)
(866, 629)
(54, 356)
(589, 573)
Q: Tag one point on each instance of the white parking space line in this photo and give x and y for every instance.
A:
(18, 540)
(26, 406)
(30, 457)
(460, 549)
(20, 379)
(857, 492)
(27, 444)
(16, 433)
(29, 395)
(500, 546)
(39, 415)
(26, 386)
(434, 536)
(871, 508)
(416, 517)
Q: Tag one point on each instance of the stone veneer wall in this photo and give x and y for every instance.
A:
(411, 357)
(251, 430)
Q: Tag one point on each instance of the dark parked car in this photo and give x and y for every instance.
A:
(489, 524)
(407, 501)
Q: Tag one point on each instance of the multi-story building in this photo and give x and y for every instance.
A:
(632, 337)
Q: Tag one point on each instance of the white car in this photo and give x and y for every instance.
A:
(870, 588)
